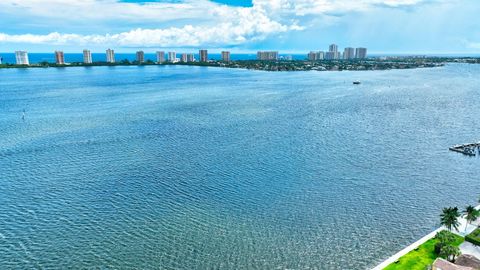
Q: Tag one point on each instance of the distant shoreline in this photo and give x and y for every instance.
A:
(282, 65)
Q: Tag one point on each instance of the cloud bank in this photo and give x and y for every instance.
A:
(186, 23)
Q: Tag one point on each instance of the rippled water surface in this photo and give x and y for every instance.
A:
(209, 168)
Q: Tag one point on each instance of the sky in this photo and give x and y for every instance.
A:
(293, 26)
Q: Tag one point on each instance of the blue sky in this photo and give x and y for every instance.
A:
(294, 26)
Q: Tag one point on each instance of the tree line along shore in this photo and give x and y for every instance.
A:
(283, 65)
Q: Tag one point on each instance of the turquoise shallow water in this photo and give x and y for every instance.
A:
(208, 168)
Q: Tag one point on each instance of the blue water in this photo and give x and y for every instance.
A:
(176, 167)
(101, 57)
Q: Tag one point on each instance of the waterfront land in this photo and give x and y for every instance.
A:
(282, 65)
(421, 257)
(460, 232)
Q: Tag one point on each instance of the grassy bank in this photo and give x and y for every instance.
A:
(420, 258)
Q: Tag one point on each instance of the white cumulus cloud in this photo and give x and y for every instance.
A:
(180, 24)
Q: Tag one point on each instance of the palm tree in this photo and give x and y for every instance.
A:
(471, 215)
(444, 238)
(449, 218)
(449, 252)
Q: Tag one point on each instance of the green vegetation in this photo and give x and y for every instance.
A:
(471, 215)
(445, 244)
(449, 218)
(288, 65)
(444, 238)
(425, 254)
(474, 237)
(450, 252)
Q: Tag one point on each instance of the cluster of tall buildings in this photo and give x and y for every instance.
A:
(349, 53)
(189, 57)
(333, 53)
(171, 57)
(267, 55)
(21, 57)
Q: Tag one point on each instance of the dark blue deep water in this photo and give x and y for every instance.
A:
(176, 167)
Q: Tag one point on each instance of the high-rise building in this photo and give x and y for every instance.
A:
(183, 58)
(87, 57)
(333, 53)
(21, 58)
(267, 55)
(361, 53)
(172, 57)
(110, 56)
(1, 60)
(59, 58)
(160, 57)
(203, 55)
(348, 53)
(314, 56)
(190, 57)
(140, 57)
(330, 55)
(320, 55)
(333, 48)
(226, 56)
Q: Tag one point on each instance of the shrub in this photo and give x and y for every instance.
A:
(444, 238)
(438, 247)
(450, 252)
(474, 237)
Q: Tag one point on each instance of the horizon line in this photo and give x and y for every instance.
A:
(372, 53)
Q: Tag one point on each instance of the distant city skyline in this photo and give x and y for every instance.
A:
(394, 27)
(350, 53)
